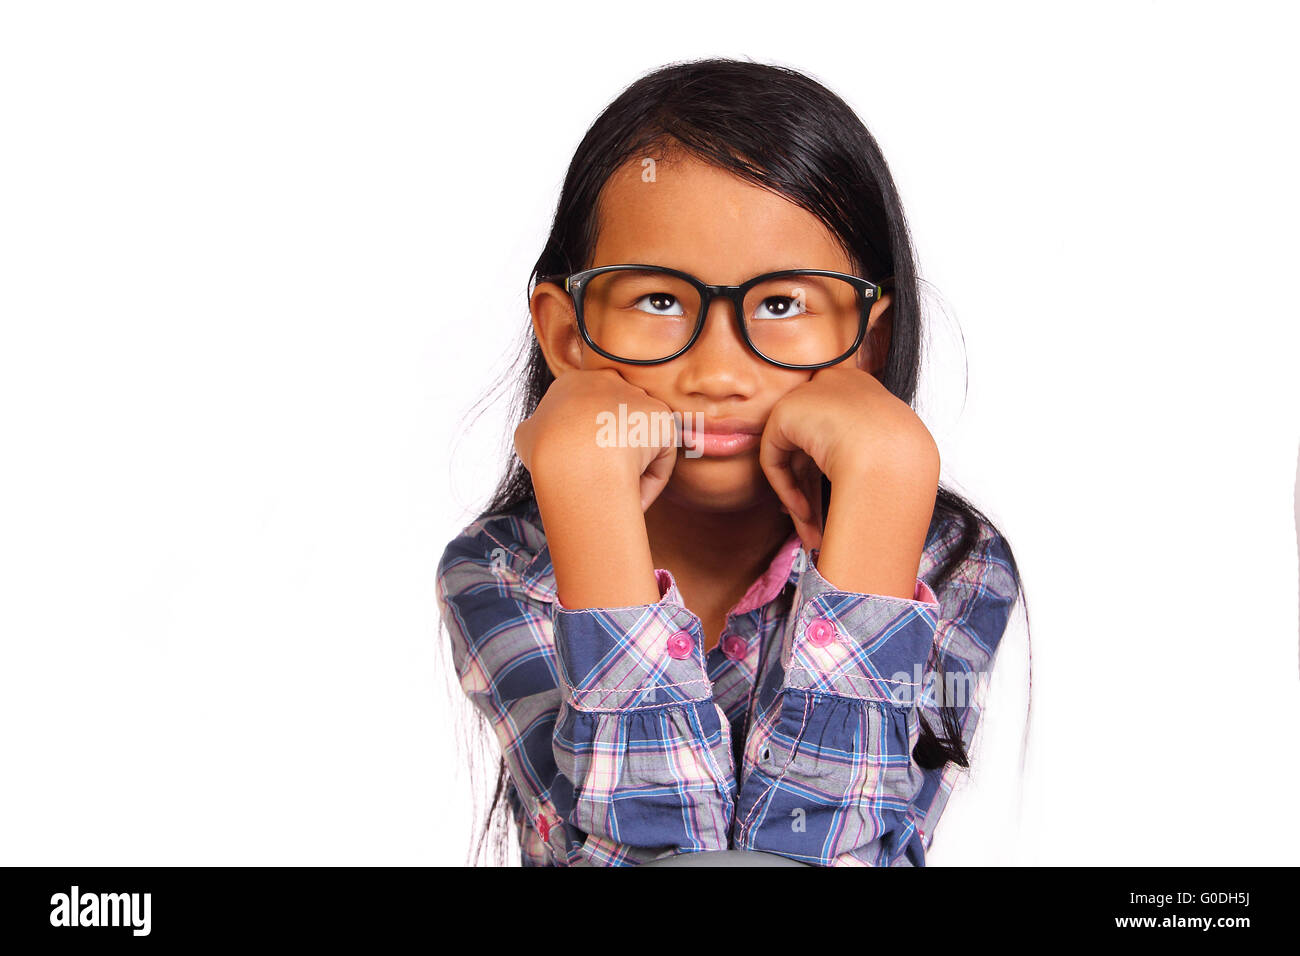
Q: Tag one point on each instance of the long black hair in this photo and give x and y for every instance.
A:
(785, 132)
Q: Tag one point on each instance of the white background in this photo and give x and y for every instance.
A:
(257, 260)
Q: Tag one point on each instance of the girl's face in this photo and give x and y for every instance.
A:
(723, 230)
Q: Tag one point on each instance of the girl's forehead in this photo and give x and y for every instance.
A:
(688, 214)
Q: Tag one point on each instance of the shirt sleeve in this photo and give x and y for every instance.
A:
(605, 716)
(828, 774)
(532, 848)
(640, 738)
(504, 662)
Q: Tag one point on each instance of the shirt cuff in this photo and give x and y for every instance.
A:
(851, 644)
(628, 658)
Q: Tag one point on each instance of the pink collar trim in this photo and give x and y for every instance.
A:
(771, 581)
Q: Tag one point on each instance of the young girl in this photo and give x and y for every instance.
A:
(763, 629)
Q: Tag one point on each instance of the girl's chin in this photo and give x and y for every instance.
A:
(716, 494)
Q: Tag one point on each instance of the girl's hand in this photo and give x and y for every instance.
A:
(574, 435)
(843, 423)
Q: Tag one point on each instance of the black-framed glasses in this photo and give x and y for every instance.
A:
(646, 315)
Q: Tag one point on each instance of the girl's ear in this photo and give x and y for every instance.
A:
(556, 326)
(880, 329)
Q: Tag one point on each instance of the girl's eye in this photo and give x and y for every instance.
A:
(660, 303)
(779, 307)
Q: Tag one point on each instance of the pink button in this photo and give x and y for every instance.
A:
(820, 632)
(735, 648)
(680, 645)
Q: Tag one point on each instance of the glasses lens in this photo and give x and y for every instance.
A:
(640, 314)
(803, 319)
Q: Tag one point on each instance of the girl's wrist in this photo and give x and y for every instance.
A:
(875, 535)
(562, 463)
(599, 545)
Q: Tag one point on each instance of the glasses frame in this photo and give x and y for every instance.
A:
(575, 285)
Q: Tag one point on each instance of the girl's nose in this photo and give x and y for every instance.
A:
(721, 333)
(719, 363)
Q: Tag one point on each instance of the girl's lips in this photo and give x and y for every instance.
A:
(720, 444)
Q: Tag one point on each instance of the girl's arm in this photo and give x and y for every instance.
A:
(627, 758)
(828, 774)
(639, 738)
(607, 724)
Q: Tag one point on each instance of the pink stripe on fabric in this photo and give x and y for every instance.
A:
(771, 581)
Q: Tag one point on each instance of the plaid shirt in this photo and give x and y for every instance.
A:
(623, 738)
